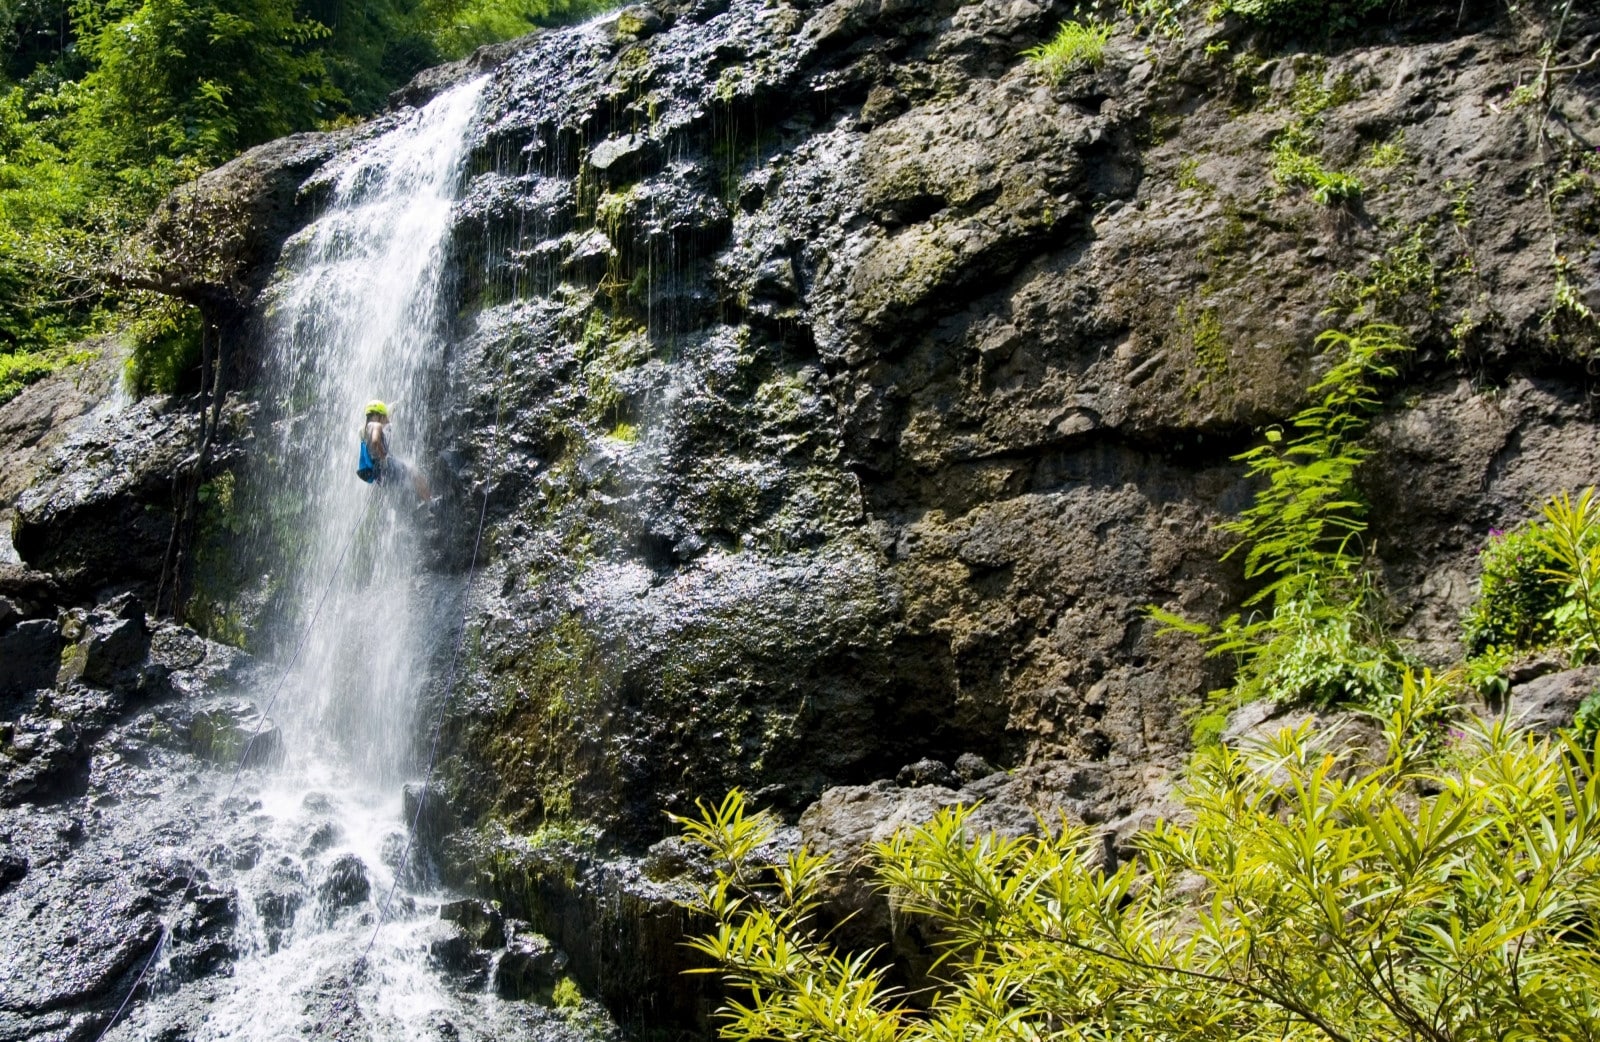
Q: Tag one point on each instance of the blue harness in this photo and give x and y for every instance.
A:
(366, 470)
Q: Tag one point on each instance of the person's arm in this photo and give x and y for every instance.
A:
(377, 444)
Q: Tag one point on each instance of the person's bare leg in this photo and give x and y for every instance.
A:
(419, 481)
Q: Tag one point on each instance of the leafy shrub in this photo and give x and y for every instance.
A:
(1323, 653)
(1207, 724)
(1074, 44)
(166, 348)
(1323, 640)
(1541, 583)
(1295, 166)
(1586, 722)
(1517, 597)
(19, 370)
(1317, 18)
(1305, 895)
(1569, 534)
(1485, 673)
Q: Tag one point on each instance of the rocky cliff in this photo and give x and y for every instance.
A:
(843, 388)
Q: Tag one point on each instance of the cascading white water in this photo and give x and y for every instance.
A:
(358, 318)
(355, 315)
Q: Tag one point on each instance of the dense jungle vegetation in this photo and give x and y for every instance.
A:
(106, 105)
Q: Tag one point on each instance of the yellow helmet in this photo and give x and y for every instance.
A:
(378, 407)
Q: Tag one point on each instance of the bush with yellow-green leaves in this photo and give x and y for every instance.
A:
(1305, 893)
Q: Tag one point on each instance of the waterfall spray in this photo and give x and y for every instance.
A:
(362, 316)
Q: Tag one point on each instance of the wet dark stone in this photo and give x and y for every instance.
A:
(529, 965)
(115, 650)
(970, 767)
(621, 158)
(224, 732)
(203, 935)
(927, 772)
(344, 884)
(674, 857)
(451, 950)
(278, 901)
(41, 759)
(30, 655)
(637, 22)
(12, 868)
(479, 920)
(245, 855)
(68, 935)
(101, 510)
(323, 837)
(435, 820)
(176, 647)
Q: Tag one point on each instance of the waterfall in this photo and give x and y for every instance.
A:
(359, 317)
(356, 312)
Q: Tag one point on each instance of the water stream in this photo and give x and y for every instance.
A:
(312, 848)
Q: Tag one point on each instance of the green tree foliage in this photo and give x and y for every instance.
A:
(176, 86)
(106, 105)
(1303, 894)
(457, 26)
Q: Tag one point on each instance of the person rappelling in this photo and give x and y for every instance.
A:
(379, 466)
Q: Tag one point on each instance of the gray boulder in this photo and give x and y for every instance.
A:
(1548, 703)
(223, 732)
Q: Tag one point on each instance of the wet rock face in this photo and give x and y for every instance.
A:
(842, 393)
(279, 900)
(84, 518)
(530, 966)
(96, 784)
(858, 389)
(30, 654)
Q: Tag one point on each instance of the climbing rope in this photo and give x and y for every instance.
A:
(244, 758)
(450, 678)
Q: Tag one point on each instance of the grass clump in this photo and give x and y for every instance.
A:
(19, 370)
(1388, 154)
(1075, 44)
(566, 994)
